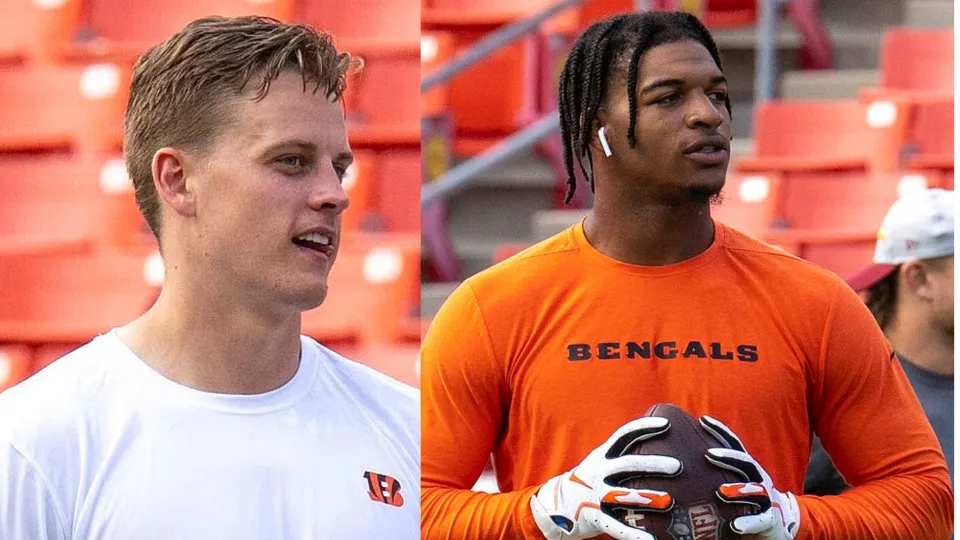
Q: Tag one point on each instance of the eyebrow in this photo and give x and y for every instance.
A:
(673, 83)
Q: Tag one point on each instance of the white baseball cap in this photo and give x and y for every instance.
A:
(919, 225)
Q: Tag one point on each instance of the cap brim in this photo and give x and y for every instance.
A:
(870, 276)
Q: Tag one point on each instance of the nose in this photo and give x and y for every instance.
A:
(328, 192)
(704, 112)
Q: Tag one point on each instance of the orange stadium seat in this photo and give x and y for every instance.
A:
(20, 23)
(123, 29)
(930, 135)
(917, 59)
(16, 364)
(398, 191)
(71, 297)
(65, 202)
(374, 290)
(749, 203)
(841, 201)
(713, 13)
(360, 183)
(436, 50)
(383, 101)
(50, 106)
(796, 136)
(386, 22)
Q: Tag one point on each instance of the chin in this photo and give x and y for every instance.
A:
(707, 191)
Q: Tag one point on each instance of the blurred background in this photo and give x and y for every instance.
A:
(839, 107)
(76, 258)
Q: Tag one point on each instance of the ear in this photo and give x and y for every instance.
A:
(599, 121)
(170, 181)
(916, 277)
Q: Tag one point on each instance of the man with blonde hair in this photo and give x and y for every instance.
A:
(210, 416)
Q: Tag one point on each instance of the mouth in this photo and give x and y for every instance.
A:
(710, 151)
(317, 243)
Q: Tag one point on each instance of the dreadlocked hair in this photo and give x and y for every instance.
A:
(881, 299)
(608, 48)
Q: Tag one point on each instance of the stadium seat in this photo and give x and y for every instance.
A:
(386, 22)
(436, 50)
(71, 297)
(398, 191)
(929, 136)
(750, 203)
(20, 23)
(839, 201)
(51, 106)
(124, 29)
(917, 59)
(66, 202)
(803, 136)
(16, 364)
(360, 183)
(383, 101)
(374, 290)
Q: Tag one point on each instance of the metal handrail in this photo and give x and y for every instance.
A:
(458, 177)
(494, 41)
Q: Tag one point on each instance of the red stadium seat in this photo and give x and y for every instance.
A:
(50, 106)
(398, 192)
(841, 252)
(383, 101)
(750, 203)
(436, 50)
(123, 29)
(71, 297)
(917, 59)
(374, 290)
(360, 184)
(930, 135)
(386, 22)
(20, 23)
(803, 136)
(16, 364)
(842, 201)
(65, 202)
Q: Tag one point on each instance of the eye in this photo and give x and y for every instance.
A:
(341, 171)
(719, 95)
(292, 161)
(668, 99)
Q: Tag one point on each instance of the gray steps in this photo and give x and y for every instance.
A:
(827, 84)
(928, 14)
(432, 296)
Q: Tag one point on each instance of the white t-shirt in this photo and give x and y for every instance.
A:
(99, 446)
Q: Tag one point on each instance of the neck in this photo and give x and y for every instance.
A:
(651, 233)
(922, 343)
(212, 341)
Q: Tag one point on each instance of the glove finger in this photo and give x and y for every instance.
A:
(722, 433)
(638, 499)
(738, 462)
(755, 495)
(755, 524)
(635, 431)
(624, 467)
(608, 525)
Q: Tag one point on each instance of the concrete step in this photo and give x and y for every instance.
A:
(871, 13)
(547, 223)
(476, 255)
(432, 296)
(928, 14)
(827, 84)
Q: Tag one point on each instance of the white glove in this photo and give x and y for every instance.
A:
(574, 505)
(779, 514)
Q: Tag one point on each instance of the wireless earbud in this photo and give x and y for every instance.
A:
(602, 133)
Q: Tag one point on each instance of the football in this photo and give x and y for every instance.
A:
(697, 513)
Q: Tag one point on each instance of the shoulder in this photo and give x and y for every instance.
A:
(51, 401)
(522, 268)
(387, 400)
(785, 271)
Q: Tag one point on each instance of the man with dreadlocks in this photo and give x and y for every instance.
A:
(649, 300)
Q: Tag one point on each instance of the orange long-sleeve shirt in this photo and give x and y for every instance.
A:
(540, 358)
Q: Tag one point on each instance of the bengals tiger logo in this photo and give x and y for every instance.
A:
(383, 488)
